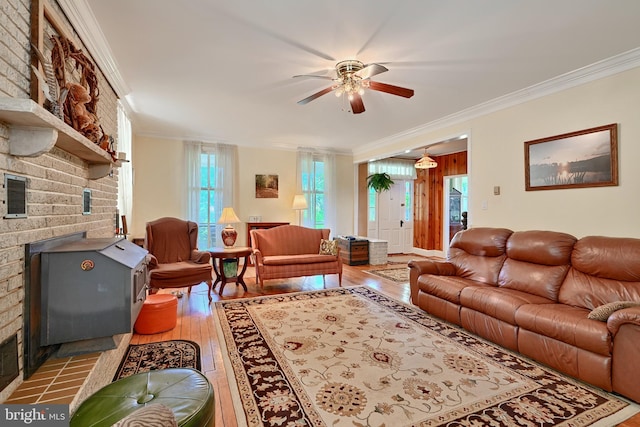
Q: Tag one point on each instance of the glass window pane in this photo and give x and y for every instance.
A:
(203, 216)
(204, 167)
(319, 175)
(213, 215)
(407, 201)
(319, 220)
(212, 171)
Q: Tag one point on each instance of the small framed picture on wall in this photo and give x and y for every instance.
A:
(266, 186)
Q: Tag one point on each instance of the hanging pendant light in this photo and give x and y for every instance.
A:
(426, 162)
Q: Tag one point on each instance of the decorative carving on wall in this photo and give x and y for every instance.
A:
(81, 104)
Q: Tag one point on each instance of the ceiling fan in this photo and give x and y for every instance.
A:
(352, 79)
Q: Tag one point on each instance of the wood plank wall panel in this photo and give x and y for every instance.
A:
(429, 199)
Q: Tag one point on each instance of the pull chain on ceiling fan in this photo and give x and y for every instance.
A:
(353, 78)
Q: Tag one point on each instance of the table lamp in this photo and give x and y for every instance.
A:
(229, 234)
(299, 204)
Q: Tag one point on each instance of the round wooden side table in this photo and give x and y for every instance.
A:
(231, 256)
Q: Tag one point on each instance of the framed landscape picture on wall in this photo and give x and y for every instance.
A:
(586, 158)
(266, 186)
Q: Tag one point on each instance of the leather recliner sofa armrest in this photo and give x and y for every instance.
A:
(418, 268)
(200, 257)
(441, 268)
(622, 317)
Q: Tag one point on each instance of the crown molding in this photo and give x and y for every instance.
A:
(85, 24)
(589, 73)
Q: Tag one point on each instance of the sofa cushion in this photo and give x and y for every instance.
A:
(603, 312)
(289, 240)
(500, 303)
(541, 247)
(179, 273)
(536, 279)
(616, 258)
(537, 262)
(478, 253)
(603, 270)
(446, 287)
(586, 291)
(567, 324)
(297, 259)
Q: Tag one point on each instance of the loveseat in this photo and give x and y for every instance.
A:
(572, 304)
(293, 251)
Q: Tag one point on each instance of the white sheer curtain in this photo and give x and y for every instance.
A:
(225, 166)
(125, 174)
(396, 168)
(192, 150)
(222, 159)
(318, 184)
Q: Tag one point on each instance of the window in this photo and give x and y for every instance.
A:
(313, 184)
(317, 181)
(125, 172)
(207, 213)
(209, 187)
(408, 201)
(372, 204)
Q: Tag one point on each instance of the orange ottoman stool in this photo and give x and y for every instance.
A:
(159, 314)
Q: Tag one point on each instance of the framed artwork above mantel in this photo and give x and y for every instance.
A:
(585, 158)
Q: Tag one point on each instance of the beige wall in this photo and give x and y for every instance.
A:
(158, 166)
(497, 159)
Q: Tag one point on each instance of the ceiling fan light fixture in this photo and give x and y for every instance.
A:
(426, 162)
(353, 78)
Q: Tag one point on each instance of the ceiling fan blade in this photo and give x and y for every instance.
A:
(315, 95)
(393, 90)
(371, 70)
(315, 76)
(357, 106)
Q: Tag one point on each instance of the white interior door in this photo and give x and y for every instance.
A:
(392, 225)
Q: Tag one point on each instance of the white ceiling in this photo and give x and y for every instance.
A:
(222, 70)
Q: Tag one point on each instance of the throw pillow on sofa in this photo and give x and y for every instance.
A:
(328, 247)
(603, 312)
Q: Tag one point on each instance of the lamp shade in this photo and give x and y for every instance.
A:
(299, 202)
(228, 217)
(426, 162)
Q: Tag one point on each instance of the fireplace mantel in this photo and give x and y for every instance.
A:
(35, 131)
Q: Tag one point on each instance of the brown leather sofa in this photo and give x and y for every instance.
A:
(293, 251)
(538, 293)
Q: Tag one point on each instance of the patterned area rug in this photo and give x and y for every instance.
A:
(399, 275)
(159, 355)
(351, 356)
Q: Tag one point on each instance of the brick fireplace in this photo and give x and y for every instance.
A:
(55, 181)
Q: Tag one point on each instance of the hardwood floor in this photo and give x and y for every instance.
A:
(196, 322)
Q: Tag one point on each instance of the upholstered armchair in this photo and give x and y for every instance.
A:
(174, 259)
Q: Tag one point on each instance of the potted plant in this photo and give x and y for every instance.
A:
(380, 182)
